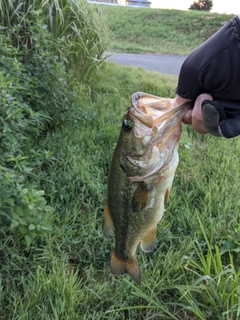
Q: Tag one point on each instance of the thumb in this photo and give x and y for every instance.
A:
(212, 114)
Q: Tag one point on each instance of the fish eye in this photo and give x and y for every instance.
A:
(127, 125)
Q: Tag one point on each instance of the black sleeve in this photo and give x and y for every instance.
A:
(214, 67)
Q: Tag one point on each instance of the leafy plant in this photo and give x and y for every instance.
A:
(19, 125)
(230, 242)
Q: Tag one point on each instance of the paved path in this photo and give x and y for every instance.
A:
(163, 63)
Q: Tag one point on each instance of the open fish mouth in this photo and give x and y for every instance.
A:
(158, 125)
(154, 115)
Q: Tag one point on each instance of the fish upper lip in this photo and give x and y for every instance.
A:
(138, 114)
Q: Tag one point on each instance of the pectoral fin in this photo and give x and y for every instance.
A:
(148, 243)
(130, 266)
(107, 224)
(142, 197)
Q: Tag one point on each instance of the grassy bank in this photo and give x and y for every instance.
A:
(193, 273)
(160, 30)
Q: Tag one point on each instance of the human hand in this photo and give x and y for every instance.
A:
(210, 116)
(194, 116)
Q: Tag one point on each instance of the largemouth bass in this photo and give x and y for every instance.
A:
(140, 178)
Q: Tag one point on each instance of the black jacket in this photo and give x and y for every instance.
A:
(214, 68)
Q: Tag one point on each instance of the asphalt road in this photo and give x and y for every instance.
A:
(163, 63)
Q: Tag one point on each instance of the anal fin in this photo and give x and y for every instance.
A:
(167, 195)
(107, 224)
(130, 266)
(148, 243)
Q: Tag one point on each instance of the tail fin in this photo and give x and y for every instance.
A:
(130, 266)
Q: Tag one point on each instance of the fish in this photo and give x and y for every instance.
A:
(140, 178)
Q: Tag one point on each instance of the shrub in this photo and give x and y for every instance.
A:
(42, 45)
(205, 5)
(22, 206)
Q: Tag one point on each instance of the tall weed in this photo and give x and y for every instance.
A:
(84, 28)
(81, 27)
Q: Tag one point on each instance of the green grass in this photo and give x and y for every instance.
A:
(193, 273)
(160, 30)
(187, 276)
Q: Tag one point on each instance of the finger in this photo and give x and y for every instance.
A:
(212, 113)
(177, 101)
(197, 120)
(187, 119)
